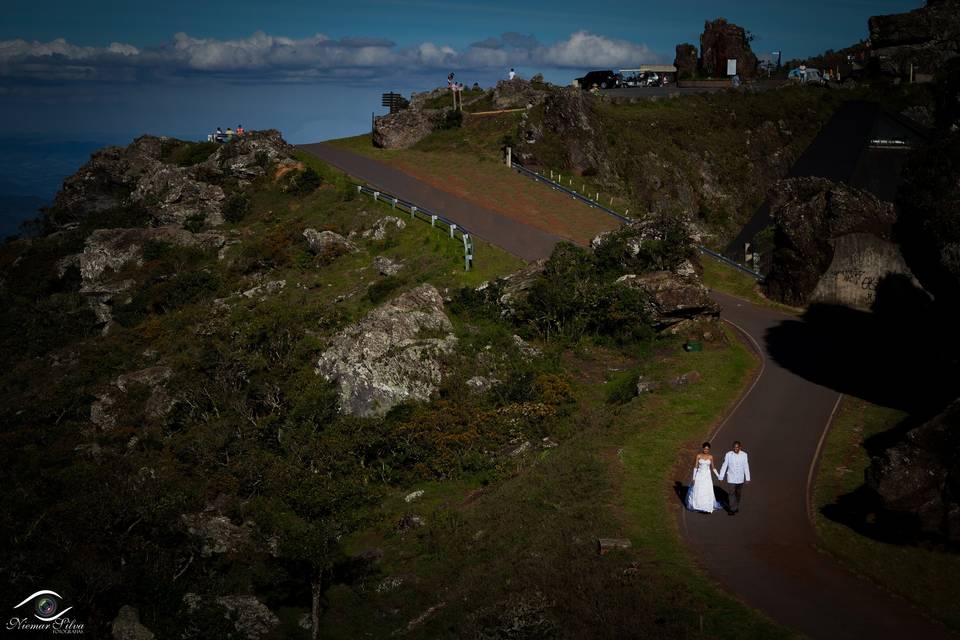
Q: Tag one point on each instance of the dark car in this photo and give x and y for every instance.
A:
(603, 79)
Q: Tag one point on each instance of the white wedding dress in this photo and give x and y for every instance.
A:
(700, 495)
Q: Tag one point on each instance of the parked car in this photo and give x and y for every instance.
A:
(811, 76)
(603, 79)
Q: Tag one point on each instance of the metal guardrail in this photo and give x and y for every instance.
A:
(418, 212)
(732, 263)
(559, 187)
(596, 205)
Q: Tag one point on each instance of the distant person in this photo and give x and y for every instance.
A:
(512, 74)
(229, 132)
(476, 86)
(240, 130)
(735, 80)
(450, 83)
(218, 136)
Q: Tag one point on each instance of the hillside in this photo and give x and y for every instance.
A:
(226, 375)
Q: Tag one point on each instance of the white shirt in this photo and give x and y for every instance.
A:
(512, 74)
(736, 467)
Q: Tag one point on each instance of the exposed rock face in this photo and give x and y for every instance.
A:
(517, 94)
(126, 626)
(405, 128)
(672, 300)
(249, 156)
(920, 476)
(926, 38)
(250, 617)
(383, 226)
(172, 195)
(218, 532)
(510, 291)
(833, 244)
(722, 40)
(107, 251)
(158, 404)
(328, 242)
(383, 359)
(686, 60)
(137, 175)
(567, 117)
(386, 267)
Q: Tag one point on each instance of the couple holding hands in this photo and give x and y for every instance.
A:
(736, 469)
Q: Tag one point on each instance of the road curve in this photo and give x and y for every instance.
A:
(518, 238)
(766, 554)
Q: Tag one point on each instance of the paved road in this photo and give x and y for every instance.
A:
(766, 553)
(516, 237)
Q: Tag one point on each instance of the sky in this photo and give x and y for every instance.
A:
(111, 70)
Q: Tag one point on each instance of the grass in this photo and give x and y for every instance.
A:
(520, 554)
(928, 577)
(466, 162)
(726, 279)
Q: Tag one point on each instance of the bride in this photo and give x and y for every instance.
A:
(700, 495)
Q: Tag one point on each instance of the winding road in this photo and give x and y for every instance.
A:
(766, 555)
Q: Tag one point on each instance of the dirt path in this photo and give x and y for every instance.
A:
(515, 237)
(766, 554)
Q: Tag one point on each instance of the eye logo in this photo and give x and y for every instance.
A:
(45, 607)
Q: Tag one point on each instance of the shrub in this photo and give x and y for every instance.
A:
(379, 291)
(622, 388)
(194, 223)
(453, 120)
(303, 182)
(236, 207)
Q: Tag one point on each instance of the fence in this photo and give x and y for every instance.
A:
(417, 212)
(596, 205)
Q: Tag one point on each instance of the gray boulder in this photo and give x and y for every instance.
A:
(383, 227)
(405, 128)
(925, 38)
(383, 359)
(248, 157)
(920, 476)
(671, 299)
(218, 533)
(328, 242)
(387, 267)
(127, 626)
(569, 119)
(171, 196)
(250, 617)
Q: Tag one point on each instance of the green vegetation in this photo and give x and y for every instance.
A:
(925, 575)
(726, 279)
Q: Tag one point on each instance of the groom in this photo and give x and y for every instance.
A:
(736, 469)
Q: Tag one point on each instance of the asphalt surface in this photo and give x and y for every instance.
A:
(516, 237)
(766, 554)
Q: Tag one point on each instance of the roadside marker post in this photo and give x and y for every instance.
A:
(453, 228)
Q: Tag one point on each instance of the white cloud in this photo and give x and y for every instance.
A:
(275, 58)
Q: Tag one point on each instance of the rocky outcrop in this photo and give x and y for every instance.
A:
(108, 253)
(926, 38)
(139, 175)
(405, 128)
(510, 291)
(686, 60)
(328, 243)
(385, 358)
(387, 267)
(383, 227)
(103, 410)
(218, 533)
(834, 244)
(248, 156)
(673, 301)
(567, 118)
(920, 476)
(127, 626)
(517, 94)
(250, 618)
(722, 41)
